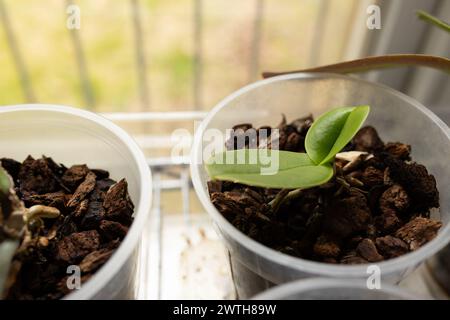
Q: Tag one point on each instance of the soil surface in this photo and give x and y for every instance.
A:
(96, 212)
(376, 207)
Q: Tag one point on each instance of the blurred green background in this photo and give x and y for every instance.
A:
(287, 38)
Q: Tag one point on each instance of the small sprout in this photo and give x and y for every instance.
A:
(328, 135)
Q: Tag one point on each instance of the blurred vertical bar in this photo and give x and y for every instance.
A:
(24, 77)
(255, 48)
(185, 187)
(357, 41)
(141, 64)
(319, 29)
(159, 223)
(198, 54)
(350, 26)
(86, 85)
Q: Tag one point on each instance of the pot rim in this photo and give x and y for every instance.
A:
(304, 285)
(102, 276)
(299, 264)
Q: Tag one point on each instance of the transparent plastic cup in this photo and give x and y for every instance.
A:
(439, 269)
(333, 289)
(396, 116)
(73, 136)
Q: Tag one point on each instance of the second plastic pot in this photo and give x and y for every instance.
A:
(396, 116)
(73, 136)
(333, 289)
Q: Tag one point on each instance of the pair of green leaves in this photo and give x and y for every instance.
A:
(328, 135)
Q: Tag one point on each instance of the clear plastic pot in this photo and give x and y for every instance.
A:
(74, 136)
(333, 289)
(396, 116)
(439, 269)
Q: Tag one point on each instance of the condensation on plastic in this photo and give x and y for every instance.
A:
(396, 116)
(73, 136)
(334, 289)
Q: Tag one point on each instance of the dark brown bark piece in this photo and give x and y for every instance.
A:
(398, 150)
(55, 199)
(35, 177)
(387, 222)
(11, 166)
(373, 199)
(81, 209)
(353, 258)
(229, 208)
(105, 184)
(214, 186)
(94, 211)
(367, 140)
(245, 199)
(241, 136)
(367, 249)
(77, 245)
(117, 204)
(394, 199)
(391, 247)
(372, 176)
(346, 216)
(302, 125)
(111, 230)
(73, 176)
(418, 232)
(95, 259)
(294, 142)
(101, 174)
(326, 246)
(82, 191)
(420, 185)
(67, 227)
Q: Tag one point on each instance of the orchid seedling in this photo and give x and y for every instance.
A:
(328, 135)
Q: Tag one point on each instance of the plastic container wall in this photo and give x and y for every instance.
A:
(396, 117)
(333, 289)
(73, 136)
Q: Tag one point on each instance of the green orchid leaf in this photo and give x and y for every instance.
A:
(5, 182)
(331, 132)
(268, 168)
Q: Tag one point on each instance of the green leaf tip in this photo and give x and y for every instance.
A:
(331, 132)
(5, 181)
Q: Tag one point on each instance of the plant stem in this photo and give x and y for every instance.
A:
(433, 20)
(376, 63)
(283, 196)
(276, 202)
